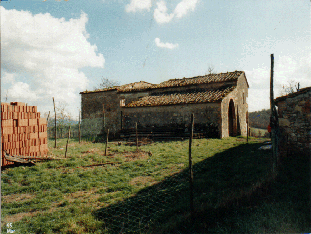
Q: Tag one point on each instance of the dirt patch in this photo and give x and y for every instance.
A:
(93, 150)
(90, 195)
(17, 217)
(17, 197)
(135, 155)
(143, 141)
(142, 180)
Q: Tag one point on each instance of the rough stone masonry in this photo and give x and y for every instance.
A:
(215, 99)
(294, 112)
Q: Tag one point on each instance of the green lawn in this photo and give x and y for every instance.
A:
(258, 132)
(149, 192)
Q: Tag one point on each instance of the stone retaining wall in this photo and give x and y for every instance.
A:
(294, 113)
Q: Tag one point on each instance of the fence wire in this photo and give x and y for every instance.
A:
(159, 200)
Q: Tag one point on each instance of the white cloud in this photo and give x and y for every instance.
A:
(286, 69)
(138, 5)
(8, 78)
(47, 51)
(21, 90)
(160, 13)
(184, 6)
(165, 45)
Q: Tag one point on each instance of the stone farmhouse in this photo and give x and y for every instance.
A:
(294, 113)
(217, 101)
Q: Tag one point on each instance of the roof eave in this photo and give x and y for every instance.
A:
(217, 101)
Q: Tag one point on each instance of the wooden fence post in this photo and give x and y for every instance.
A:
(190, 169)
(106, 147)
(47, 119)
(55, 123)
(247, 129)
(79, 128)
(136, 138)
(67, 142)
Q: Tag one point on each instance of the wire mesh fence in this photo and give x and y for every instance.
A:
(141, 191)
(167, 203)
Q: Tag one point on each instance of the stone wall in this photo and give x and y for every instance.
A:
(107, 107)
(174, 115)
(295, 123)
(239, 97)
(102, 109)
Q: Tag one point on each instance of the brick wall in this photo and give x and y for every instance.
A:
(295, 123)
(23, 132)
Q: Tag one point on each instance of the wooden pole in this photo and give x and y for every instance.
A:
(67, 142)
(106, 147)
(136, 138)
(247, 129)
(247, 133)
(47, 119)
(190, 169)
(55, 122)
(271, 83)
(272, 116)
(79, 128)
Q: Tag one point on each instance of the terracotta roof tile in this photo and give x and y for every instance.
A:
(142, 85)
(211, 78)
(200, 96)
(100, 90)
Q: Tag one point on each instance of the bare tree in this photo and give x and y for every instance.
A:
(106, 83)
(6, 96)
(63, 117)
(210, 69)
(291, 87)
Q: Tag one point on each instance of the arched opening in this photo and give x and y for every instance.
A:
(231, 118)
(238, 122)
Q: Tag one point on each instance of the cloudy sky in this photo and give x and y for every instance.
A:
(60, 48)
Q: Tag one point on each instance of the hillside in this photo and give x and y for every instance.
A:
(259, 119)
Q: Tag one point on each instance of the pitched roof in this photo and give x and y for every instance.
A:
(142, 85)
(291, 95)
(211, 78)
(196, 96)
(100, 90)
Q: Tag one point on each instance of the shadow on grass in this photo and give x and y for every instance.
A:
(224, 184)
(16, 164)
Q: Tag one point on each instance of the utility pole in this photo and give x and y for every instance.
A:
(273, 121)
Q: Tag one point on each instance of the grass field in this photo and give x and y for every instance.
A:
(258, 132)
(148, 191)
